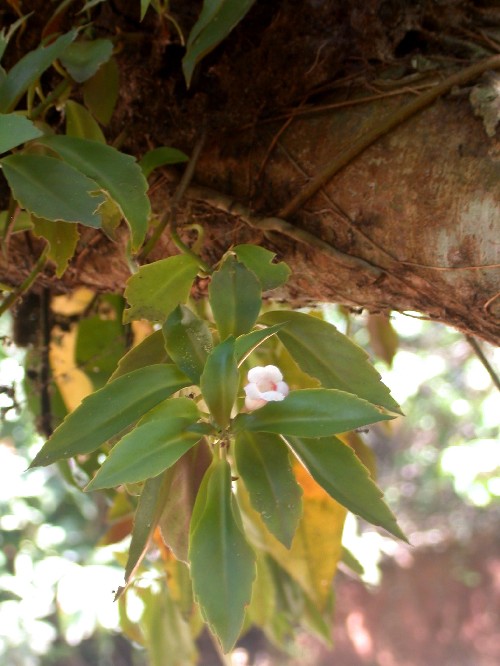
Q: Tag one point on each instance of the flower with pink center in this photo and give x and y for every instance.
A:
(265, 385)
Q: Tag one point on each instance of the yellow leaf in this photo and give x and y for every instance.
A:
(73, 383)
(73, 304)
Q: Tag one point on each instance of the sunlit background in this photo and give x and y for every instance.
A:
(439, 467)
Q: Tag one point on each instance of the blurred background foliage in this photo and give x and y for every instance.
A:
(439, 467)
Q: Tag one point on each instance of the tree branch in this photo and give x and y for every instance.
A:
(384, 127)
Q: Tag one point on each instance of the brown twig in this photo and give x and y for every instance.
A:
(9, 301)
(170, 215)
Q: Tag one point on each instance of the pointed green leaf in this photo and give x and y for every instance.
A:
(148, 352)
(6, 35)
(235, 298)
(147, 515)
(215, 22)
(62, 238)
(157, 288)
(188, 341)
(337, 469)
(219, 381)
(80, 123)
(201, 498)
(312, 413)
(83, 59)
(107, 412)
(27, 70)
(100, 93)
(183, 482)
(350, 561)
(157, 442)
(160, 157)
(54, 190)
(324, 353)
(222, 562)
(144, 7)
(260, 261)
(15, 130)
(263, 463)
(245, 344)
(117, 174)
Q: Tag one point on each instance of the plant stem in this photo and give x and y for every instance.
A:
(170, 216)
(51, 97)
(387, 124)
(481, 356)
(9, 301)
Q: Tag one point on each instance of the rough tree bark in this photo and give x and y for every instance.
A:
(410, 222)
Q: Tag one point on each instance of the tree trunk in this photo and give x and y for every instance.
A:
(410, 220)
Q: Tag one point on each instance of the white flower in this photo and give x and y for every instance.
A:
(266, 385)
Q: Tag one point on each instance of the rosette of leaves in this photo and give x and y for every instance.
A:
(241, 498)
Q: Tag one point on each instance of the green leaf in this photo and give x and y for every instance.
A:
(159, 439)
(168, 635)
(62, 238)
(324, 353)
(222, 562)
(245, 344)
(219, 381)
(262, 607)
(215, 22)
(51, 189)
(235, 298)
(337, 469)
(112, 217)
(157, 288)
(260, 261)
(100, 93)
(311, 413)
(83, 59)
(160, 157)
(350, 561)
(22, 222)
(6, 35)
(107, 412)
(144, 7)
(99, 345)
(27, 70)
(80, 123)
(263, 463)
(148, 352)
(118, 174)
(188, 341)
(15, 130)
(183, 481)
(147, 515)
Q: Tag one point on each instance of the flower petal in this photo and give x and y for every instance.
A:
(251, 403)
(282, 387)
(257, 374)
(251, 390)
(272, 396)
(273, 373)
